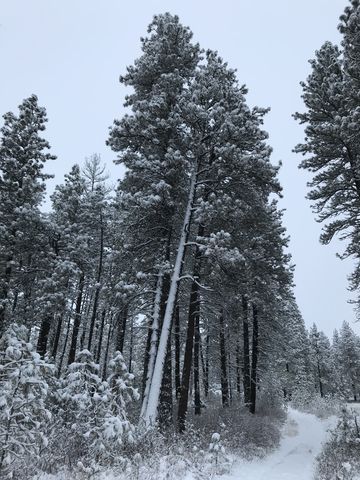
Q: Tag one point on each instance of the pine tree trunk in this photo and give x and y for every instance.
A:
(131, 345)
(165, 409)
(55, 345)
(238, 366)
(77, 320)
(42, 342)
(254, 359)
(194, 309)
(223, 363)
(98, 287)
(5, 293)
(207, 364)
(66, 339)
(177, 351)
(166, 397)
(146, 361)
(229, 368)
(122, 320)
(153, 344)
(320, 380)
(104, 375)
(154, 393)
(189, 346)
(246, 352)
(205, 369)
(101, 333)
(197, 399)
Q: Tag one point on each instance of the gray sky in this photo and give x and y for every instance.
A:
(71, 53)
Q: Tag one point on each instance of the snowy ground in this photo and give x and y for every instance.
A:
(303, 435)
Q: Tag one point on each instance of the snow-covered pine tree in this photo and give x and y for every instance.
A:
(81, 404)
(22, 187)
(232, 162)
(294, 356)
(320, 353)
(23, 391)
(116, 428)
(149, 140)
(348, 361)
(69, 205)
(93, 412)
(331, 145)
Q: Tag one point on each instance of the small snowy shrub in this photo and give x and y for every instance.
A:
(241, 432)
(322, 407)
(340, 457)
(23, 390)
(92, 412)
(217, 452)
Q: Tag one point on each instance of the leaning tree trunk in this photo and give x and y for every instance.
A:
(223, 363)
(77, 320)
(150, 414)
(165, 409)
(254, 359)
(150, 357)
(146, 360)
(246, 351)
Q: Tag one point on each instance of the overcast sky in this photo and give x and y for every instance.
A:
(71, 52)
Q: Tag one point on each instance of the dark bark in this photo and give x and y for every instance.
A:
(43, 338)
(101, 334)
(64, 346)
(223, 363)
(77, 320)
(5, 293)
(320, 380)
(197, 399)
(131, 344)
(229, 368)
(254, 359)
(104, 375)
(238, 366)
(55, 345)
(98, 287)
(246, 351)
(146, 359)
(205, 366)
(166, 397)
(194, 309)
(189, 345)
(177, 351)
(122, 320)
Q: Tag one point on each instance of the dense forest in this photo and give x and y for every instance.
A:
(135, 313)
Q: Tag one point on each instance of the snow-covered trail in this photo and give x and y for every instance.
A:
(301, 441)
